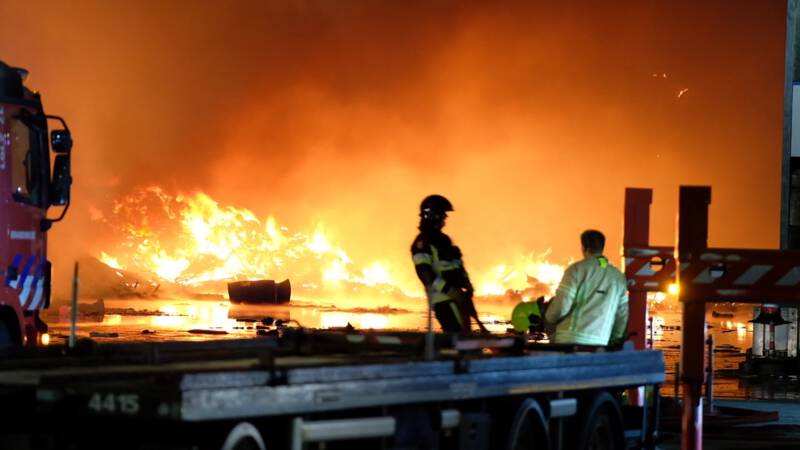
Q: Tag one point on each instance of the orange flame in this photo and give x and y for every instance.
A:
(194, 241)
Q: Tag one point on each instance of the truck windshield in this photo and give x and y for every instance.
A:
(26, 162)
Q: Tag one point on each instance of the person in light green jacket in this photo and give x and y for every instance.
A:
(591, 303)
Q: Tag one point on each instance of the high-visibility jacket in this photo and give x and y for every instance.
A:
(591, 304)
(435, 251)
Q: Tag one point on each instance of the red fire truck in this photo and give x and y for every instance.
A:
(29, 188)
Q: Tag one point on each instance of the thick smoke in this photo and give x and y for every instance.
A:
(532, 118)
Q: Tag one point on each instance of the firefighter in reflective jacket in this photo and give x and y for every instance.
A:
(591, 303)
(440, 268)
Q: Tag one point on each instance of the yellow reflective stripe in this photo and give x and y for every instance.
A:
(456, 312)
(439, 265)
(438, 284)
(422, 258)
(435, 293)
(439, 297)
(444, 266)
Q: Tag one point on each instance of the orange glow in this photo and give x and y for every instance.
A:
(112, 319)
(347, 119)
(196, 242)
(335, 319)
(531, 274)
(673, 289)
(109, 260)
(741, 330)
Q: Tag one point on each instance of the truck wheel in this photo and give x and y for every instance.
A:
(5, 335)
(529, 430)
(244, 436)
(601, 426)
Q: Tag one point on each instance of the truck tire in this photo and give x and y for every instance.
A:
(529, 430)
(6, 340)
(244, 436)
(601, 426)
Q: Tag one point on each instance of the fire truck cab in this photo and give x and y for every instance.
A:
(28, 188)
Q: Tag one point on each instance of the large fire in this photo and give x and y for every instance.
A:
(193, 241)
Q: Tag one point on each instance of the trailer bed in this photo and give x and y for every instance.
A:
(262, 378)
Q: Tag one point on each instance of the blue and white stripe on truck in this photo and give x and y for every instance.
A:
(29, 285)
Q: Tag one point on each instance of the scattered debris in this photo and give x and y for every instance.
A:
(348, 328)
(98, 279)
(208, 296)
(260, 291)
(100, 334)
(379, 310)
(727, 348)
(139, 312)
(87, 312)
(148, 332)
(204, 331)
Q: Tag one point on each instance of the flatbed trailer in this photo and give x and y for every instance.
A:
(331, 390)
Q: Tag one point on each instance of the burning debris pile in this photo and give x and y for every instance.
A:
(195, 245)
(99, 280)
(192, 246)
(527, 278)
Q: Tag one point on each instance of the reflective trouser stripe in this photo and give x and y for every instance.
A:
(457, 312)
(435, 293)
(439, 297)
(422, 258)
(438, 284)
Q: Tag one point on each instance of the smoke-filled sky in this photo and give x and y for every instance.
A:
(531, 116)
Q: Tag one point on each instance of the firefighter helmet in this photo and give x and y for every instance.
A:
(526, 315)
(435, 203)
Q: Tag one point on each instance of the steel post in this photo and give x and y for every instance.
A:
(428, 352)
(636, 233)
(73, 316)
(791, 75)
(710, 375)
(692, 237)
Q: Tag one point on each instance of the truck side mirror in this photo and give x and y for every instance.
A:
(62, 180)
(61, 140)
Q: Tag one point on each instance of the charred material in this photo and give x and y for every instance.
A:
(260, 292)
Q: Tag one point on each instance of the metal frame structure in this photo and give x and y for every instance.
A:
(704, 275)
(647, 268)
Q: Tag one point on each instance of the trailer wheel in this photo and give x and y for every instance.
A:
(529, 430)
(5, 335)
(10, 335)
(601, 426)
(244, 436)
